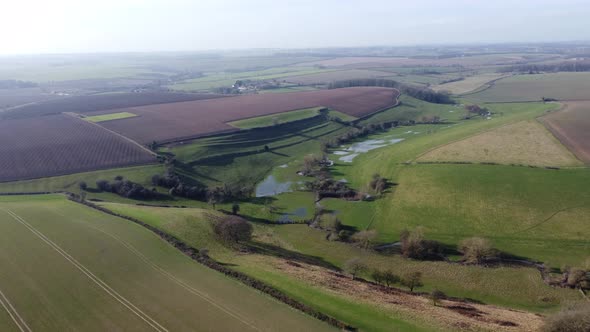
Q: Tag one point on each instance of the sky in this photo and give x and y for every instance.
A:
(83, 26)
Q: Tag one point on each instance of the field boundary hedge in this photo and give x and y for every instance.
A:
(194, 254)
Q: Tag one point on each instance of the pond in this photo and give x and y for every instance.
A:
(271, 187)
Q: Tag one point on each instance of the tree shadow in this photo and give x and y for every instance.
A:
(276, 251)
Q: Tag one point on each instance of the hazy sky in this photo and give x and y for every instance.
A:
(61, 26)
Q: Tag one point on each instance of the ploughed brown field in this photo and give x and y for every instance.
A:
(570, 125)
(100, 102)
(339, 75)
(184, 120)
(61, 144)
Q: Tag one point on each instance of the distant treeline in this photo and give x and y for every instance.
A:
(571, 66)
(14, 84)
(421, 93)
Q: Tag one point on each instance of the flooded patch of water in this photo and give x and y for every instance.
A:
(287, 218)
(355, 149)
(270, 187)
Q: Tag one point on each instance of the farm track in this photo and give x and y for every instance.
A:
(96, 280)
(14, 315)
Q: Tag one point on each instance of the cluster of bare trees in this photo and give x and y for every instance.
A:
(412, 280)
(125, 188)
(421, 93)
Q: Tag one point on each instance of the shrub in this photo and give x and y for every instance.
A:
(436, 295)
(574, 318)
(378, 184)
(413, 245)
(235, 208)
(103, 185)
(233, 229)
(82, 185)
(476, 250)
(365, 238)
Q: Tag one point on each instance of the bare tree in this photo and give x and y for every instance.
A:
(412, 280)
(354, 266)
(390, 278)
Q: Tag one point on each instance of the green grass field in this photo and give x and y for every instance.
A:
(241, 158)
(513, 206)
(513, 287)
(274, 119)
(109, 117)
(84, 270)
(227, 79)
(139, 174)
(414, 109)
(519, 88)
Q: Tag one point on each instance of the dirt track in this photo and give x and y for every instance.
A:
(448, 314)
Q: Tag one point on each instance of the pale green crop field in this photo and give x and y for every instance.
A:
(109, 117)
(68, 267)
(519, 88)
(270, 120)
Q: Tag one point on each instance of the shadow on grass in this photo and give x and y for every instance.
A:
(275, 251)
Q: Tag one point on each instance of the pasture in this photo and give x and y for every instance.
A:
(60, 144)
(571, 125)
(520, 88)
(457, 201)
(522, 143)
(240, 157)
(301, 243)
(114, 274)
(338, 75)
(212, 81)
(270, 120)
(186, 120)
(470, 83)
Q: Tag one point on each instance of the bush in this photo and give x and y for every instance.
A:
(82, 185)
(233, 229)
(235, 208)
(413, 245)
(476, 250)
(575, 318)
(103, 185)
(378, 184)
(365, 238)
(436, 295)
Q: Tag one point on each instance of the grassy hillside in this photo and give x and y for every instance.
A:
(513, 287)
